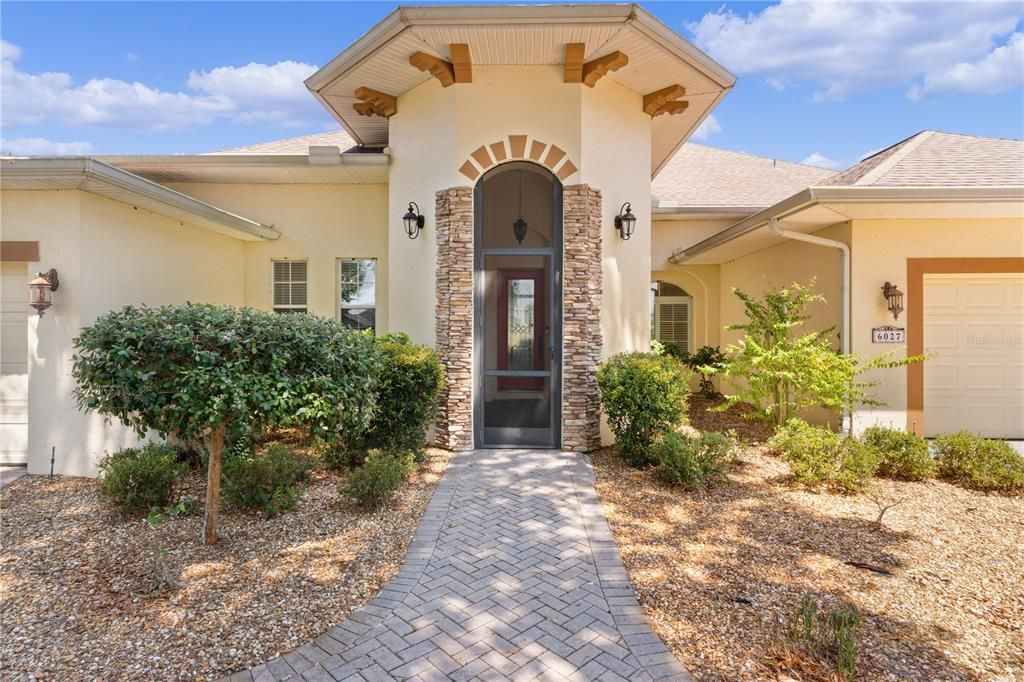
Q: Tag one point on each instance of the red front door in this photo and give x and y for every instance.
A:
(521, 329)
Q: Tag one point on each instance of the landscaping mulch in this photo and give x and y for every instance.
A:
(77, 597)
(736, 418)
(718, 570)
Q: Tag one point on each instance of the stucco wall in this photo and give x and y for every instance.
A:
(881, 250)
(108, 255)
(319, 223)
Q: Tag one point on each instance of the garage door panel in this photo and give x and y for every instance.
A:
(13, 363)
(977, 376)
(992, 295)
(974, 327)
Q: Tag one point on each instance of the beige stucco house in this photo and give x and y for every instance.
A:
(522, 135)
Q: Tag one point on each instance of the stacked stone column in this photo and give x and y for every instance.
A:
(454, 326)
(581, 317)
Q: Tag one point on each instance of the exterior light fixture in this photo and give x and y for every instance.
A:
(893, 299)
(40, 290)
(625, 221)
(413, 220)
(519, 226)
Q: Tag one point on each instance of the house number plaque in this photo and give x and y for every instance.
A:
(888, 335)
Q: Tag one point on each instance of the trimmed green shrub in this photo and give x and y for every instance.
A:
(819, 456)
(271, 482)
(338, 455)
(219, 373)
(901, 455)
(139, 479)
(644, 396)
(694, 462)
(977, 462)
(410, 382)
(380, 476)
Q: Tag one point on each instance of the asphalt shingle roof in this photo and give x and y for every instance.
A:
(936, 159)
(704, 177)
(295, 145)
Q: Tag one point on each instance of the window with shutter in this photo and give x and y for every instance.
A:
(673, 321)
(289, 284)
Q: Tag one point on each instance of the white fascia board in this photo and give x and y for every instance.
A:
(255, 160)
(653, 28)
(84, 170)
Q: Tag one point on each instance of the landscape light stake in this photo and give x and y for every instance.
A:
(53, 456)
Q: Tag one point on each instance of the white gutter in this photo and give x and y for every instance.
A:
(89, 175)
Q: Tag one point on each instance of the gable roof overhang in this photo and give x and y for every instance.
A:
(322, 165)
(819, 207)
(89, 175)
(524, 35)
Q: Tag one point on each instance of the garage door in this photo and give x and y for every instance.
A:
(13, 363)
(974, 326)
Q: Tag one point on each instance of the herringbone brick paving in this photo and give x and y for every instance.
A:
(512, 574)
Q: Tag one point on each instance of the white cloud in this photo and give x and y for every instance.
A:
(40, 146)
(846, 47)
(709, 127)
(9, 51)
(255, 92)
(821, 161)
(1000, 70)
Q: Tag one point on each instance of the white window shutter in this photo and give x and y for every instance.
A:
(673, 321)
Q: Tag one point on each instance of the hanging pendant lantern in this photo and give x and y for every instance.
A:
(520, 226)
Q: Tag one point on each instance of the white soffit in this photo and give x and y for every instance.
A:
(523, 35)
(820, 207)
(89, 175)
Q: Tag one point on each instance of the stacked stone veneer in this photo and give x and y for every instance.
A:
(581, 317)
(454, 223)
(581, 325)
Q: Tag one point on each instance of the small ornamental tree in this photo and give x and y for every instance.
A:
(780, 372)
(200, 371)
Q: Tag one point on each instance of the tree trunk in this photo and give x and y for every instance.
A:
(213, 485)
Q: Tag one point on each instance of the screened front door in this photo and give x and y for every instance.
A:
(517, 331)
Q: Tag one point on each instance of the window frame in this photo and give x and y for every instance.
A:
(339, 305)
(288, 308)
(656, 322)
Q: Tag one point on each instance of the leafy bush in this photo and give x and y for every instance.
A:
(380, 476)
(694, 462)
(139, 479)
(644, 395)
(219, 373)
(270, 483)
(901, 455)
(411, 380)
(706, 361)
(978, 462)
(336, 454)
(819, 456)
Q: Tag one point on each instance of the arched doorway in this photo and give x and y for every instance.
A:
(517, 337)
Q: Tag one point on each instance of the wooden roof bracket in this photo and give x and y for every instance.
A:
(375, 103)
(664, 101)
(440, 69)
(574, 53)
(462, 63)
(597, 69)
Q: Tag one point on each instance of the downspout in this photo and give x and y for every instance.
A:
(844, 287)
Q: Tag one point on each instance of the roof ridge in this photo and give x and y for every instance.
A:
(754, 156)
(908, 145)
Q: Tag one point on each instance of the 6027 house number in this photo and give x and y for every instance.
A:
(888, 335)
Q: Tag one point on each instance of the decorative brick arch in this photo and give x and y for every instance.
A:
(516, 148)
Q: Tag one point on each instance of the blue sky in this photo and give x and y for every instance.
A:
(826, 82)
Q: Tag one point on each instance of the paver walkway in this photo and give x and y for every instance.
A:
(512, 574)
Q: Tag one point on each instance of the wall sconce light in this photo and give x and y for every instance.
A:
(414, 220)
(40, 290)
(893, 299)
(625, 221)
